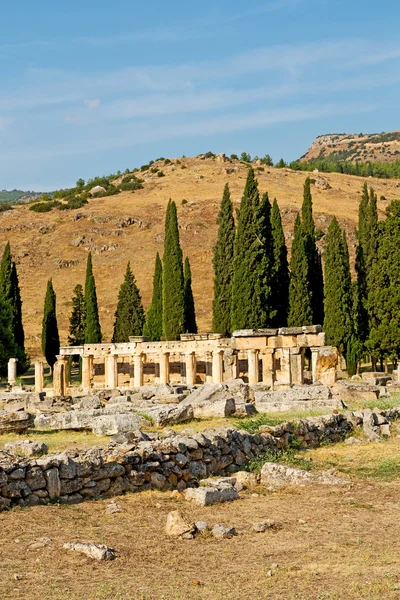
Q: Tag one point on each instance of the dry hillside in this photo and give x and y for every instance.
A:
(129, 226)
(374, 147)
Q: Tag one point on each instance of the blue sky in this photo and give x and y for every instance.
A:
(94, 86)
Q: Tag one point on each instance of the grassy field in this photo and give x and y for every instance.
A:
(334, 543)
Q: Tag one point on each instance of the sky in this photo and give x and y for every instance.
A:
(92, 87)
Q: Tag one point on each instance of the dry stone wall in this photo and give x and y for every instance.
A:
(136, 461)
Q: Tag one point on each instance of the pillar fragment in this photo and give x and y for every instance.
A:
(252, 359)
(39, 376)
(209, 360)
(217, 366)
(164, 367)
(138, 370)
(190, 362)
(268, 373)
(12, 370)
(59, 378)
(111, 372)
(87, 367)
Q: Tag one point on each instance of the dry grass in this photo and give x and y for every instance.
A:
(335, 543)
(37, 250)
(58, 441)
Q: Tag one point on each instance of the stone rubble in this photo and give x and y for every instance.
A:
(96, 551)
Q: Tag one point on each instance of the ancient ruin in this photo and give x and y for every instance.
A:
(273, 357)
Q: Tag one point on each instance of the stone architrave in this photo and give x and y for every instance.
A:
(190, 362)
(12, 370)
(252, 360)
(39, 376)
(217, 366)
(164, 367)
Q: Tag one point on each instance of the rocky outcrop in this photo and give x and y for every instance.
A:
(275, 476)
(15, 422)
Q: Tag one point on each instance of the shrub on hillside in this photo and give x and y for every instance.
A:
(73, 203)
(160, 174)
(41, 207)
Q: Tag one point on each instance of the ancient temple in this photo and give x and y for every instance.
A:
(273, 357)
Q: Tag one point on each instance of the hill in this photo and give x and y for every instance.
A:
(130, 226)
(363, 148)
(17, 196)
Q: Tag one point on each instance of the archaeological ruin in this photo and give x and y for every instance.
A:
(273, 357)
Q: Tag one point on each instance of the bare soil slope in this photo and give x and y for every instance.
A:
(374, 147)
(129, 226)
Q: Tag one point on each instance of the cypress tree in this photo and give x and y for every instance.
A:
(245, 307)
(315, 277)
(7, 344)
(264, 263)
(50, 336)
(77, 319)
(173, 283)
(153, 325)
(10, 292)
(223, 266)
(92, 323)
(190, 313)
(280, 272)
(300, 310)
(129, 316)
(338, 323)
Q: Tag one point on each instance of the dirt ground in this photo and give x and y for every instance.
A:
(338, 543)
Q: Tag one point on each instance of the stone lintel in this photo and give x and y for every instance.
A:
(138, 338)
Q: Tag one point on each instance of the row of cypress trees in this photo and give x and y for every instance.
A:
(253, 286)
(171, 312)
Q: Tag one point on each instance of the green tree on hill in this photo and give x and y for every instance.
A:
(223, 266)
(11, 294)
(315, 277)
(153, 327)
(92, 322)
(245, 305)
(338, 323)
(190, 313)
(129, 316)
(280, 273)
(77, 319)
(50, 335)
(173, 282)
(300, 309)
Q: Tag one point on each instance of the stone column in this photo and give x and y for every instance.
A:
(164, 367)
(235, 365)
(268, 375)
(138, 370)
(314, 363)
(39, 376)
(209, 362)
(59, 378)
(64, 360)
(87, 366)
(297, 366)
(111, 371)
(217, 366)
(190, 362)
(252, 359)
(12, 370)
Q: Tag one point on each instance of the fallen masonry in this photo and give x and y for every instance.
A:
(167, 461)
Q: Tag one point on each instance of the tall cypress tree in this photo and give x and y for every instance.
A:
(223, 266)
(245, 307)
(129, 316)
(50, 336)
(173, 283)
(338, 323)
(10, 292)
(300, 309)
(77, 319)
(7, 344)
(315, 277)
(280, 274)
(264, 263)
(190, 313)
(92, 322)
(153, 325)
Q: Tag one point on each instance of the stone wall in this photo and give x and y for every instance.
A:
(134, 462)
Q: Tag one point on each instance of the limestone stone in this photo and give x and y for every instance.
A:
(27, 448)
(35, 479)
(275, 476)
(96, 551)
(16, 422)
(222, 532)
(53, 482)
(177, 525)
